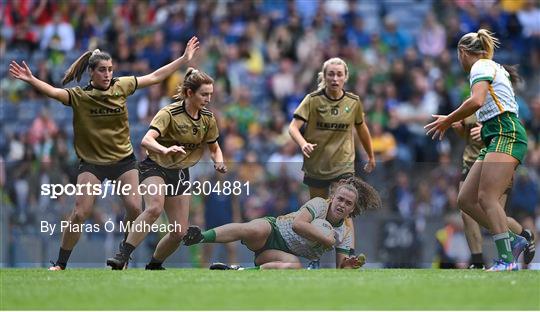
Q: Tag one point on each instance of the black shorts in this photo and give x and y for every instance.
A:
(112, 171)
(174, 178)
(312, 182)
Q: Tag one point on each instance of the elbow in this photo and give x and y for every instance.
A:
(145, 142)
(291, 130)
(476, 104)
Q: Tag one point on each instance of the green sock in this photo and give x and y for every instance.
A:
(253, 268)
(502, 241)
(209, 236)
(513, 237)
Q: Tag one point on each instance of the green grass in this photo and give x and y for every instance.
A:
(197, 289)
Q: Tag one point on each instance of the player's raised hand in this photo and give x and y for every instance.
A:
(308, 148)
(476, 132)
(20, 72)
(438, 127)
(174, 149)
(191, 47)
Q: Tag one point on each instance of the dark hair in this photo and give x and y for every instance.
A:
(193, 80)
(513, 72)
(88, 59)
(367, 197)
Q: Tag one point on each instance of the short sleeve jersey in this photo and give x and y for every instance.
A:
(100, 121)
(330, 124)
(501, 96)
(300, 246)
(176, 127)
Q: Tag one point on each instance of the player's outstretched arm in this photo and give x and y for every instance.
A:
(162, 73)
(25, 74)
(470, 106)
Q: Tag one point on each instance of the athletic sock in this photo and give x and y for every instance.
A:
(63, 257)
(512, 236)
(477, 259)
(253, 268)
(502, 241)
(209, 236)
(126, 249)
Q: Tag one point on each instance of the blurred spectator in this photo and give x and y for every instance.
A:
(150, 103)
(42, 128)
(58, 35)
(452, 248)
(432, 37)
(241, 111)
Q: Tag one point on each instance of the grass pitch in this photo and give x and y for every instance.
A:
(200, 289)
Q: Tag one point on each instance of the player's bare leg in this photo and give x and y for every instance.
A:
(83, 208)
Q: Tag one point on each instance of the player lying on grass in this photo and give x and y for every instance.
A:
(279, 242)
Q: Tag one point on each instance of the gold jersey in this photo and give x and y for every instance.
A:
(176, 127)
(100, 121)
(472, 149)
(330, 124)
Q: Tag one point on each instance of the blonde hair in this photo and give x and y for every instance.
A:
(193, 80)
(88, 59)
(367, 198)
(321, 83)
(484, 43)
(481, 42)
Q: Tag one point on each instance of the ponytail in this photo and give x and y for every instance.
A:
(482, 42)
(88, 59)
(488, 42)
(513, 71)
(193, 80)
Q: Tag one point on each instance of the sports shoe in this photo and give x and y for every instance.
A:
(500, 265)
(193, 236)
(154, 267)
(223, 266)
(518, 245)
(314, 265)
(129, 259)
(118, 262)
(476, 266)
(56, 267)
(528, 253)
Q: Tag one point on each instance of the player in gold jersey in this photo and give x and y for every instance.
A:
(175, 141)
(329, 115)
(101, 129)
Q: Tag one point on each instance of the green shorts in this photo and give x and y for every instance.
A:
(504, 134)
(274, 240)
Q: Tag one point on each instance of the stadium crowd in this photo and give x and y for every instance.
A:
(264, 56)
